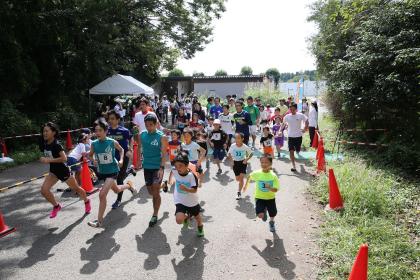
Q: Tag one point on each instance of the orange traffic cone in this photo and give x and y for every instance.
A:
(4, 229)
(315, 141)
(4, 148)
(136, 155)
(359, 270)
(320, 143)
(336, 202)
(321, 166)
(69, 144)
(86, 179)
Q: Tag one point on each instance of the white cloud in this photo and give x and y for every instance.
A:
(260, 34)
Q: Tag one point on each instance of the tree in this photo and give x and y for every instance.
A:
(176, 73)
(198, 74)
(246, 70)
(220, 72)
(273, 74)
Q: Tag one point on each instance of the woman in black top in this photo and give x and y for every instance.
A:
(55, 156)
(199, 111)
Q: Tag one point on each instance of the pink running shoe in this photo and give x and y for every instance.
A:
(55, 211)
(87, 207)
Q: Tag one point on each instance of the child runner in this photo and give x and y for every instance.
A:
(55, 156)
(182, 120)
(201, 139)
(241, 154)
(278, 135)
(185, 194)
(196, 154)
(226, 121)
(266, 141)
(218, 141)
(76, 155)
(267, 184)
(108, 167)
(174, 146)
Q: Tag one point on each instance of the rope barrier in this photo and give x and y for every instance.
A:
(39, 134)
(359, 129)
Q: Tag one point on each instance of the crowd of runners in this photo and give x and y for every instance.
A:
(182, 134)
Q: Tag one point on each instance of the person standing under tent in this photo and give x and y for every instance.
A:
(313, 120)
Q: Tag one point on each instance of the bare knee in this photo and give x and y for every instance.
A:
(260, 215)
(180, 218)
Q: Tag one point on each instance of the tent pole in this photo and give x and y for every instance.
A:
(90, 109)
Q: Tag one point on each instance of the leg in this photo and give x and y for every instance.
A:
(122, 174)
(72, 183)
(311, 135)
(102, 197)
(292, 158)
(241, 182)
(180, 217)
(199, 220)
(49, 182)
(156, 198)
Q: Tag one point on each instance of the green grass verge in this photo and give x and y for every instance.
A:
(381, 209)
(23, 155)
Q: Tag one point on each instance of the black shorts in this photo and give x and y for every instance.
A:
(198, 169)
(103, 177)
(294, 143)
(246, 139)
(269, 204)
(151, 177)
(239, 167)
(219, 153)
(63, 174)
(191, 211)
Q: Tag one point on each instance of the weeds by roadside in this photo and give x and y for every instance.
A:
(23, 155)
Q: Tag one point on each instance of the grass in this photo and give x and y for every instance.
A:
(381, 209)
(23, 155)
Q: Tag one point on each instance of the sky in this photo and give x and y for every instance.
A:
(260, 34)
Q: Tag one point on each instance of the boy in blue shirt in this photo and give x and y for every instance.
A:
(242, 121)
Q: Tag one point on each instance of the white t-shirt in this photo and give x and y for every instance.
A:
(239, 153)
(192, 150)
(185, 198)
(294, 123)
(313, 117)
(78, 151)
(139, 120)
(166, 103)
(226, 123)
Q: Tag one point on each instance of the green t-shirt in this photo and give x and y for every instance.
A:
(254, 112)
(261, 178)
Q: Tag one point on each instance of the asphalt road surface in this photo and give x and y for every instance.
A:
(236, 245)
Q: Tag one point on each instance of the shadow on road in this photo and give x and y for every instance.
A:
(154, 243)
(247, 207)
(192, 265)
(224, 179)
(275, 256)
(103, 245)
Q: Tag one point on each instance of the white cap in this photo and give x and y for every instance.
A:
(216, 121)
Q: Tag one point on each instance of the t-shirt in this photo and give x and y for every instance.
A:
(78, 151)
(294, 123)
(254, 113)
(122, 135)
(239, 153)
(173, 148)
(232, 109)
(189, 180)
(215, 110)
(182, 120)
(226, 122)
(262, 178)
(53, 150)
(192, 150)
(283, 109)
(105, 155)
(267, 141)
(242, 116)
(313, 118)
(152, 149)
(139, 120)
(218, 138)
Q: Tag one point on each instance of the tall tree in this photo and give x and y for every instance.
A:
(176, 73)
(246, 70)
(220, 72)
(273, 74)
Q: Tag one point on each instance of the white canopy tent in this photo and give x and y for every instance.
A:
(121, 85)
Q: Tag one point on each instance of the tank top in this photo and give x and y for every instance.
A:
(105, 155)
(151, 145)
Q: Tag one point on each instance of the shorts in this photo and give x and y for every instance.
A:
(198, 169)
(269, 204)
(219, 154)
(71, 161)
(151, 177)
(295, 143)
(103, 177)
(268, 150)
(239, 168)
(279, 141)
(191, 211)
(63, 174)
(253, 129)
(246, 139)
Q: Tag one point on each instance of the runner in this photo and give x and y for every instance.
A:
(155, 147)
(174, 146)
(226, 121)
(254, 114)
(216, 109)
(102, 153)
(267, 184)
(294, 132)
(196, 153)
(182, 120)
(241, 154)
(76, 155)
(266, 141)
(185, 194)
(218, 140)
(123, 136)
(54, 155)
(278, 135)
(242, 121)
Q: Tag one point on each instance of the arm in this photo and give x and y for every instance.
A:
(202, 155)
(164, 149)
(121, 151)
(248, 180)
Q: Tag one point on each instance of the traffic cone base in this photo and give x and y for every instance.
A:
(359, 270)
(328, 208)
(315, 141)
(4, 229)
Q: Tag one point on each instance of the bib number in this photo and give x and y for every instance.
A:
(105, 158)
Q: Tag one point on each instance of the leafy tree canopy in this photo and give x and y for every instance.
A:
(220, 72)
(246, 70)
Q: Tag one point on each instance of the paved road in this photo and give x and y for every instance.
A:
(236, 245)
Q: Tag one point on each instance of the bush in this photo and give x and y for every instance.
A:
(266, 92)
(14, 122)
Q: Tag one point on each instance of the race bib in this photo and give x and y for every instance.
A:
(48, 154)
(239, 154)
(267, 143)
(261, 185)
(216, 136)
(105, 158)
(174, 152)
(181, 125)
(177, 184)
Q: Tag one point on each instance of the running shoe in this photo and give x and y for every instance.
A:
(293, 169)
(55, 211)
(219, 171)
(153, 221)
(87, 207)
(116, 204)
(132, 189)
(265, 215)
(186, 223)
(200, 232)
(165, 186)
(95, 224)
(132, 171)
(238, 196)
(272, 226)
(278, 155)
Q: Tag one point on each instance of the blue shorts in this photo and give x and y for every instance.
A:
(219, 154)
(73, 161)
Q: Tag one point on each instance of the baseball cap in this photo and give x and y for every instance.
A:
(216, 121)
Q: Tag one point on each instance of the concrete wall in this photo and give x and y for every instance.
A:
(220, 89)
(183, 87)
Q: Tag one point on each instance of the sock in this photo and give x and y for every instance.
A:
(200, 228)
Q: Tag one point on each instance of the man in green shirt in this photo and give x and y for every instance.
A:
(254, 112)
(283, 108)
